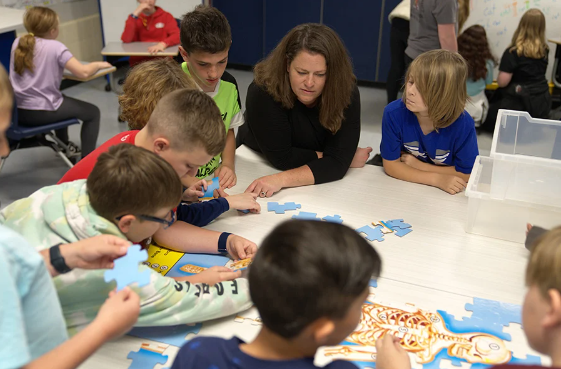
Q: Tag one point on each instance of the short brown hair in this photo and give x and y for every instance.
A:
(340, 81)
(38, 21)
(205, 29)
(440, 77)
(6, 93)
(146, 84)
(131, 180)
(529, 38)
(544, 266)
(188, 118)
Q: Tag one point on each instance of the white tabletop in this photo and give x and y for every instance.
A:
(437, 266)
(555, 40)
(10, 19)
(136, 49)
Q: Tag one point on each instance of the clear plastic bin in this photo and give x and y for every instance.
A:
(520, 183)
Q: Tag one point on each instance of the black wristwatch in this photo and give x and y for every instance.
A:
(134, 16)
(57, 260)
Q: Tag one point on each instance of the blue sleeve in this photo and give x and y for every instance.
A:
(341, 364)
(467, 149)
(489, 77)
(200, 214)
(192, 355)
(392, 141)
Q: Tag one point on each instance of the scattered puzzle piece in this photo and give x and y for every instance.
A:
(373, 283)
(333, 219)
(148, 356)
(372, 233)
(253, 321)
(280, 209)
(304, 215)
(240, 264)
(126, 271)
(171, 335)
(397, 223)
(209, 193)
(244, 211)
(400, 232)
(385, 227)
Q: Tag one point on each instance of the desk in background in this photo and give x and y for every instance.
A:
(10, 20)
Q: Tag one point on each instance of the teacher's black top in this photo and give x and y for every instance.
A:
(289, 138)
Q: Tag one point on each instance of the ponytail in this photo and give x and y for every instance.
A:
(23, 56)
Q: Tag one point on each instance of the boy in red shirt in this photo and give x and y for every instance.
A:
(149, 23)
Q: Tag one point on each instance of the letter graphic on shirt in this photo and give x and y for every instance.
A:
(413, 148)
(441, 156)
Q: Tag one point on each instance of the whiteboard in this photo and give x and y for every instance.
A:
(501, 17)
(114, 13)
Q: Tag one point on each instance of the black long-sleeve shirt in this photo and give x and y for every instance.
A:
(290, 138)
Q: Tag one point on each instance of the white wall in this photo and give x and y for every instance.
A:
(114, 13)
(69, 11)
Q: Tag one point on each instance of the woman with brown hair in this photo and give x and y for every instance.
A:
(303, 111)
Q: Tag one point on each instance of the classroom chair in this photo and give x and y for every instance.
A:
(20, 137)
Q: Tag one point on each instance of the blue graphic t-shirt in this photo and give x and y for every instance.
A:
(455, 145)
(218, 353)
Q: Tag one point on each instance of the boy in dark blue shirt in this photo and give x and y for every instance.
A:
(306, 299)
(427, 137)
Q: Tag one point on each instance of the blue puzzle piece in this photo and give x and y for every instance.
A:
(280, 209)
(126, 271)
(400, 232)
(304, 215)
(397, 223)
(373, 283)
(529, 360)
(146, 359)
(209, 193)
(244, 211)
(333, 219)
(172, 335)
(372, 233)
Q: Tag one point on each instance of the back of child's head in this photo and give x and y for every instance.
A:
(529, 38)
(544, 266)
(440, 77)
(189, 118)
(146, 84)
(131, 180)
(205, 29)
(474, 47)
(38, 21)
(307, 270)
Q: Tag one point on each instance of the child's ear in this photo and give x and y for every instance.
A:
(553, 315)
(125, 223)
(321, 330)
(160, 144)
(183, 53)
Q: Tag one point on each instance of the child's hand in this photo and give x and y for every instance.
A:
(450, 183)
(410, 160)
(95, 252)
(119, 313)
(159, 47)
(195, 191)
(239, 248)
(244, 201)
(361, 156)
(214, 275)
(227, 176)
(390, 354)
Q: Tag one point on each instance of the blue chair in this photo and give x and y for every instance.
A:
(21, 137)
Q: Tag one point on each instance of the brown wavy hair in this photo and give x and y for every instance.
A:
(272, 73)
(146, 84)
(474, 47)
(38, 21)
(440, 77)
(529, 37)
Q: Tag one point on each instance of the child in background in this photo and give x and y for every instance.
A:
(473, 46)
(36, 66)
(427, 137)
(306, 299)
(32, 328)
(145, 85)
(150, 23)
(205, 42)
(541, 311)
(522, 71)
(104, 204)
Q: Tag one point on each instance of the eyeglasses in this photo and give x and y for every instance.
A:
(165, 222)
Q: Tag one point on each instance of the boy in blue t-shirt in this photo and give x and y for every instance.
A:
(306, 299)
(427, 137)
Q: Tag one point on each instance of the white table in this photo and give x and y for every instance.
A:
(437, 266)
(136, 49)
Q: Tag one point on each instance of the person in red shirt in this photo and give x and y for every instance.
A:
(149, 23)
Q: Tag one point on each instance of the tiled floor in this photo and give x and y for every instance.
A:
(28, 170)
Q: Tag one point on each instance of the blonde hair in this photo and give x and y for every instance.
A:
(440, 77)
(463, 13)
(38, 21)
(146, 84)
(544, 266)
(6, 93)
(340, 81)
(529, 38)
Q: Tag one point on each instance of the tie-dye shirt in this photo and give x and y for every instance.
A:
(455, 145)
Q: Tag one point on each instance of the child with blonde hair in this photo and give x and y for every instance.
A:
(427, 137)
(36, 67)
(522, 70)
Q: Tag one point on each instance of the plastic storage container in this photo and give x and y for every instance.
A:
(521, 180)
